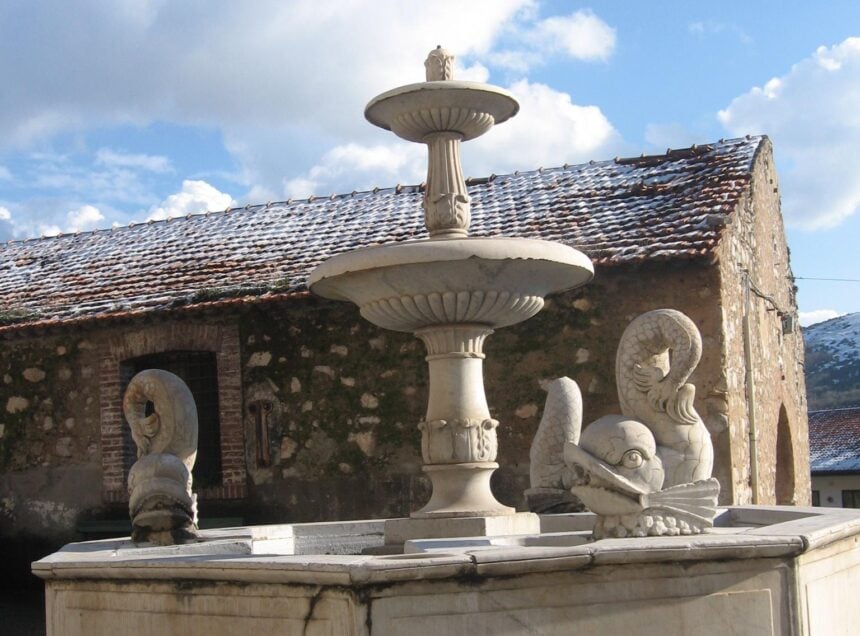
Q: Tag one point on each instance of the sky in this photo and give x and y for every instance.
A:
(121, 111)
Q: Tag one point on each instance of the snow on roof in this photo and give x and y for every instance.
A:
(661, 207)
(834, 440)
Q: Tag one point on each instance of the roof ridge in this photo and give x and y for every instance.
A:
(841, 408)
(643, 159)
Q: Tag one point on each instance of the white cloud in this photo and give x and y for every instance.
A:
(98, 179)
(549, 130)
(292, 64)
(194, 197)
(670, 135)
(582, 35)
(357, 167)
(49, 229)
(86, 217)
(7, 230)
(701, 28)
(812, 115)
(808, 318)
(151, 163)
(531, 42)
(286, 96)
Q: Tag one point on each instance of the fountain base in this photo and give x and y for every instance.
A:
(762, 570)
(399, 531)
(462, 490)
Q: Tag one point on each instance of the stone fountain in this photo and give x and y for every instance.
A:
(656, 555)
(452, 291)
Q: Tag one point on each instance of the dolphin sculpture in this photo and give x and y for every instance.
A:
(648, 471)
(162, 506)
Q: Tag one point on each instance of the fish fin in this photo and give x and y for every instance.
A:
(697, 500)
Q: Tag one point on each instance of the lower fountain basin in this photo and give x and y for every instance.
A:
(491, 281)
(764, 570)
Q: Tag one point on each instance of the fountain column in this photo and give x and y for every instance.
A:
(451, 291)
(458, 436)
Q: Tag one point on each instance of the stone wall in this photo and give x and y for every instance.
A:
(346, 397)
(343, 400)
(767, 407)
(49, 435)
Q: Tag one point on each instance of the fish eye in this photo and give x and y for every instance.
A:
(632, 459)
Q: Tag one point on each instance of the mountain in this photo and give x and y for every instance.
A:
(833, 362)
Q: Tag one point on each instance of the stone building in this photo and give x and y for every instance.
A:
(834, 457)
(309, 413)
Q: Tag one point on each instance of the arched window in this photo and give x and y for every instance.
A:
(785, 483)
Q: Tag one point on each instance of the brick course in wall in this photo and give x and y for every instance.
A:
(223, 340)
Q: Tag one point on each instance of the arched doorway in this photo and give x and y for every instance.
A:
(784, 461)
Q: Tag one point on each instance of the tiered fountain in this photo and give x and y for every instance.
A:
(452, 291)
(468, 564)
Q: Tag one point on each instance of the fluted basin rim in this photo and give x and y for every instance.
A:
(493, 100)
(427, 251)
(490, 281)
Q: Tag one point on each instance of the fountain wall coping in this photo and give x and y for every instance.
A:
(261, 554)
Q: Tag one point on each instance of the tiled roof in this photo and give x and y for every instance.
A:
(670, 206)
(834, 440)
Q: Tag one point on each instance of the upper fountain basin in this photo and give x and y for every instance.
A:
(491, 281)
(416, 110)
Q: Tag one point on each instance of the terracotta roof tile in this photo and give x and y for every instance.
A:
(671, 206)
(834, 440)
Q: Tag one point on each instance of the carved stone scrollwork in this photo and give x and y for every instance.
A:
(459, 441)
(414, 312)
(447, 204)
(439, 65)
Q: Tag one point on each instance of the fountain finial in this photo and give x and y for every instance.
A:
(441, 113)
(439, 65)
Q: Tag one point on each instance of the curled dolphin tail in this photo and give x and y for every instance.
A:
(172, 426)
(657, 353)
(561, 423)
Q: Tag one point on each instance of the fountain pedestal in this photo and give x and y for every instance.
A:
(452, 294)
(451, 291)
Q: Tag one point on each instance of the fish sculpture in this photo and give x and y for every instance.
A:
(646, 472)
(162, 506)
(550, 477)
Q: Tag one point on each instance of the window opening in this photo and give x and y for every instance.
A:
(851, 498)
(199, 370)
(785, 478)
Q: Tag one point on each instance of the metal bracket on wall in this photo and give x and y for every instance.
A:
(260, 410)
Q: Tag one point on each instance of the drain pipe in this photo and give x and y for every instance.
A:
(750, 390)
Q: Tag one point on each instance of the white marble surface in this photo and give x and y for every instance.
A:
(730, 581)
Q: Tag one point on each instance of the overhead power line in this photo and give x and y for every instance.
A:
(836, 280)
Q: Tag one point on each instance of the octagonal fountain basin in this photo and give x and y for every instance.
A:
(764, 570)
(490, 281)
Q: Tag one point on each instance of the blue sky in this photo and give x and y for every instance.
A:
(123, 111)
